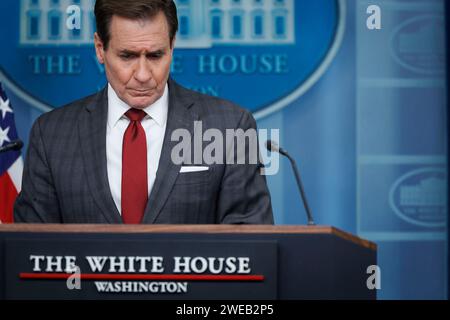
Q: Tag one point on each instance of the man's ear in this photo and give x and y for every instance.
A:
(172, 45)
(99, 48)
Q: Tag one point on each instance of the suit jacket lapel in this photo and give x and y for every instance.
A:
(92, 132)
(179, 116)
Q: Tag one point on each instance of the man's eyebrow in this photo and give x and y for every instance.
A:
(131, 52)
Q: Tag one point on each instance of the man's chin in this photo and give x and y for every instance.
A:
(140, 102)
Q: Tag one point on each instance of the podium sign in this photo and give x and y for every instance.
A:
(147, 269)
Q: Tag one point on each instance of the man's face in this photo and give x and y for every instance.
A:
(137, 60)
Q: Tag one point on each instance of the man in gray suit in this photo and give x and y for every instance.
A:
(107, 158)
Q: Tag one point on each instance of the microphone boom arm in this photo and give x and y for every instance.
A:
(274, 147)
(15, 145)
(300, 187)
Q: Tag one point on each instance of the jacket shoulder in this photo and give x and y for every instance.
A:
(66, 115)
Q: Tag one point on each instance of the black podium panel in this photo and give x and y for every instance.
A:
(184, 265)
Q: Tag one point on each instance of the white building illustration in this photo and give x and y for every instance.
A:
(43, 22)
(202, 23)
(429, 192)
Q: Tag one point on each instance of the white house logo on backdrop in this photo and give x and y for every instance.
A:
(418, 44)
(262, 54)
(420, 197)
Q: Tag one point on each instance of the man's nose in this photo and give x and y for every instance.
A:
(143, 72)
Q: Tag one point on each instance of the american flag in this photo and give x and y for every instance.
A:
(11, 164)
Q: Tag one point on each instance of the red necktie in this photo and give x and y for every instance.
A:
(134, 169)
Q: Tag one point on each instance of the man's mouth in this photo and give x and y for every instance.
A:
(135, 92)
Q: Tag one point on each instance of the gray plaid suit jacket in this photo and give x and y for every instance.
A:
(65, 176)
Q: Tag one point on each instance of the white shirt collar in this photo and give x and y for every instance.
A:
(117, 108)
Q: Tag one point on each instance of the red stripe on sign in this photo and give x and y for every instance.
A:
(8, 195)
(185, 277)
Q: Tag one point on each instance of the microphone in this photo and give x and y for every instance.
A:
(272, 146)
(15, 145)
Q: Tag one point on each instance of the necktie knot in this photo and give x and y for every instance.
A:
(135, 114)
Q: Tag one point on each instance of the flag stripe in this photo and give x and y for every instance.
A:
(8, 194)
(15, 173)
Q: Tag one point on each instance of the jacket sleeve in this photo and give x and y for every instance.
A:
(244, 197)
(37, 202)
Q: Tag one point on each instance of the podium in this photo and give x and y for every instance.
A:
(183, 262)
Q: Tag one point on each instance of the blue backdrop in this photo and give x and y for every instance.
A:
(363, 111)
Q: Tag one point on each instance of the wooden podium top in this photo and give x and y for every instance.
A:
(121, 228)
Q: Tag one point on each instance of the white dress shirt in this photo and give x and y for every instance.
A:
(154, 125)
